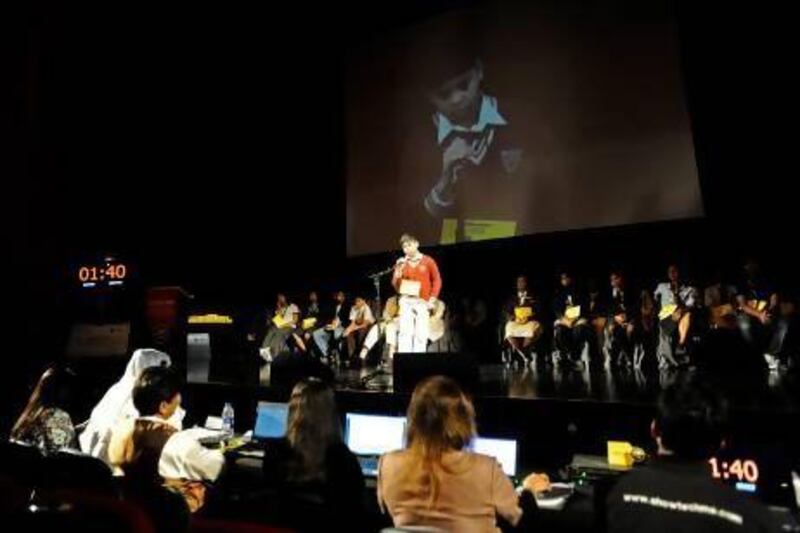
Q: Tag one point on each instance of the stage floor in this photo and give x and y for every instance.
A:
(774, 391)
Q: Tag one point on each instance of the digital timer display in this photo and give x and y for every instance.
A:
(742, 473)
(108, 273)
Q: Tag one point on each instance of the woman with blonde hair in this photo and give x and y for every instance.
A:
(436, 481)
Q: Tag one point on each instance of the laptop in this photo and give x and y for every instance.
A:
(370, 436)
(504, 450)
(271, 419)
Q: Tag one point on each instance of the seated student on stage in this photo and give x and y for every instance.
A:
(437, 482)
(522, 330)
(597, 315)
(313, 464)
(719, 301)
(45, 422)
(572, 329)
(439, 334)
(676, 492)
(677, 302)
(312, 309)
(361, 319)
(647, 325)
(309, 320)
(622, 323)
(335, 318)
(386, 328)
(758, 315)
(153, 453)
(284, 321)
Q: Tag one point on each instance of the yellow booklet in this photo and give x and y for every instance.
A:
(279, 321)
(666, 311)
(573, 312)
(523, 313)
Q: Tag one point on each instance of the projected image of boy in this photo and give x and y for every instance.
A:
(466, 122)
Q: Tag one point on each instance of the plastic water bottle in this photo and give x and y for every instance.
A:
(227, 418)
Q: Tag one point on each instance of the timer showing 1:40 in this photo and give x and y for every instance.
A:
(93, 273)
(741, 470)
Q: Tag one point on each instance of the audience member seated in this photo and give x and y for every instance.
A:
(335, 318)
(572, 329)
(677, 302)
(284, 320)
(313, 481)
(436, 481)
(676, 491)
(522, 331)
(153, 453)
(117, 404)
(45, 422)
(361, 319)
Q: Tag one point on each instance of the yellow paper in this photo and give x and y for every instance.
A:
(309, 323)
(620, 454)
(573, 312)
(279, 321)
(758, 305)
(667, 311)
(523, 313)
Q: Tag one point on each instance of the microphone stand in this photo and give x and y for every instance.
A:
(376, 281)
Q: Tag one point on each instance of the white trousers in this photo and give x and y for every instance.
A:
(412, 335)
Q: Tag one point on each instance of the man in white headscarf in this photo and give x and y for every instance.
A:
(117, 404)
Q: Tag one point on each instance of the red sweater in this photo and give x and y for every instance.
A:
(426, 272)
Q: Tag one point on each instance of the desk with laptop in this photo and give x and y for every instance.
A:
(369, 436)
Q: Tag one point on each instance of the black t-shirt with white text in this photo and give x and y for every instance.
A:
(670, 496)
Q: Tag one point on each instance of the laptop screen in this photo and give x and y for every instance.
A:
(270, 420)
(373, 434)
(504, 450)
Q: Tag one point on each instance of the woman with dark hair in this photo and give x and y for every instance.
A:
(45, 422)
(313, 466)
(435, 481)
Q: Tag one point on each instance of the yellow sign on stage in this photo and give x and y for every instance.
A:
(210, 318)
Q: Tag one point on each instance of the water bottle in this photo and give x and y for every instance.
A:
(227, 418)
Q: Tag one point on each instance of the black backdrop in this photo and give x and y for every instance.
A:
(205, 145)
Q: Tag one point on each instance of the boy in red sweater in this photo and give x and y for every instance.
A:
(417, 295)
